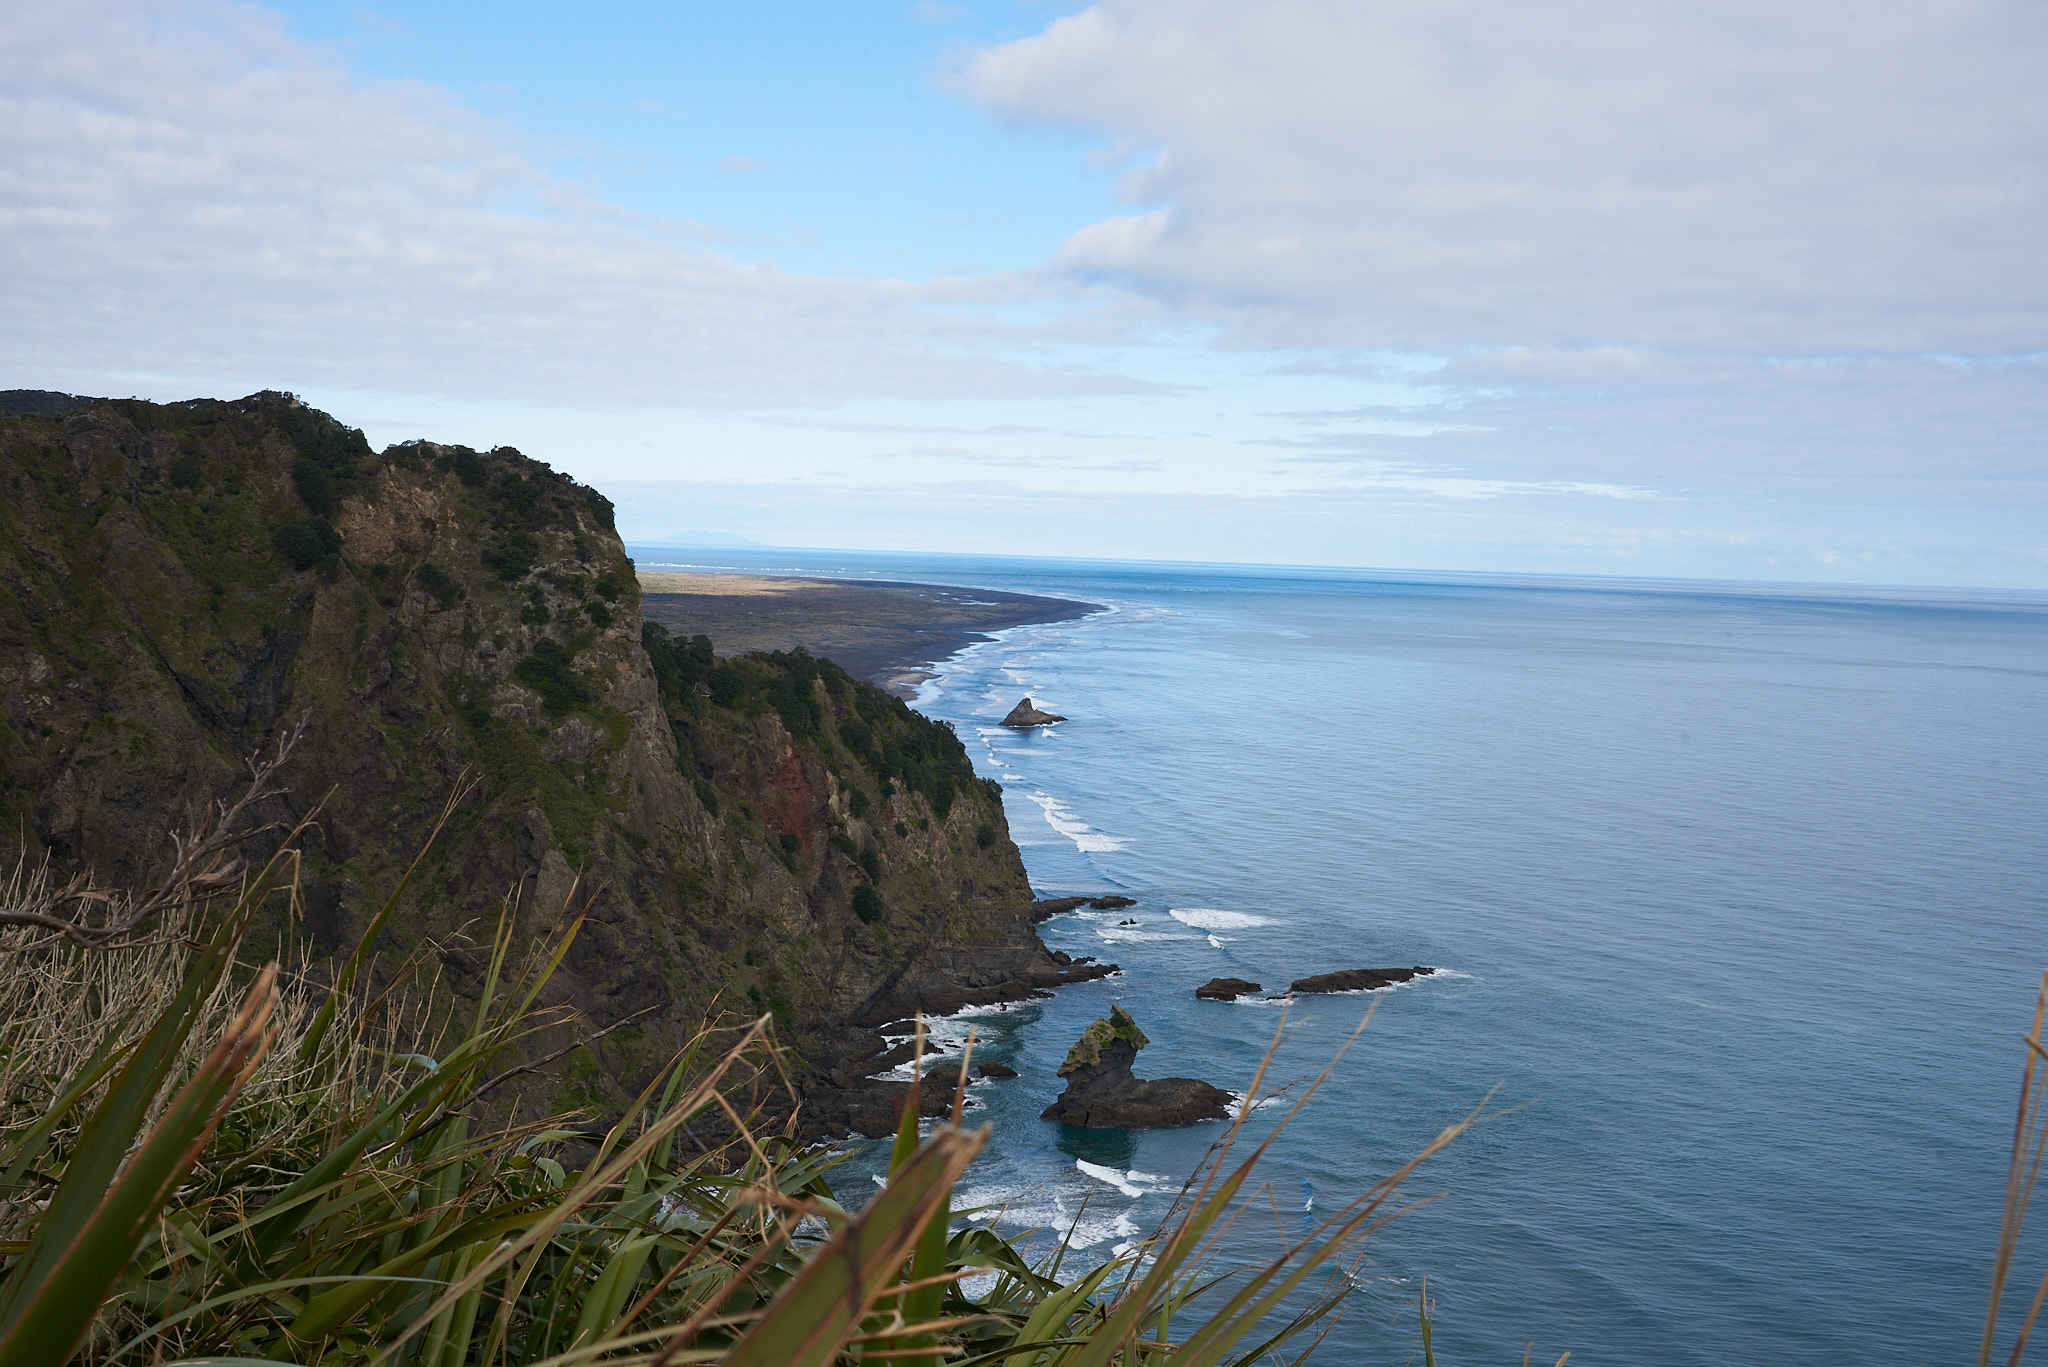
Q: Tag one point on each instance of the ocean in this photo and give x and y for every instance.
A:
(1739, 895)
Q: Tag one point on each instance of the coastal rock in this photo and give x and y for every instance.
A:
(1045, 907)
(1102, 1094)
(1358, 979)
(943, 1078)
(995, 1070)
(1225, 989)
(1024, 714)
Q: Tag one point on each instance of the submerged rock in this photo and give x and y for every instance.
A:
(995, 1070)
(1358, 979)
(1025, 714)
(1226, 989)
(1102, 1094)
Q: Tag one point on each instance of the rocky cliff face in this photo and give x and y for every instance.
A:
(178, 583)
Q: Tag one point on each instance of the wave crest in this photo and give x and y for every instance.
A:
(1215, 918)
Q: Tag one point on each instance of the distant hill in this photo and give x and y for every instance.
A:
(179, 582)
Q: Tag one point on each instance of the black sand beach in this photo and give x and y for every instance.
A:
(878, 629)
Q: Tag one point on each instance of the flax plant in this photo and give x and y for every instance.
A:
(210, 1162)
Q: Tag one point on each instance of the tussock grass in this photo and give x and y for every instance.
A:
(210, 1161)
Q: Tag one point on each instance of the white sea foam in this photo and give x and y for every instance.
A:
(944, 1039)
(1059, 1214)
(1086, 838)
(1213, 918)
(1125, 1182)
(1131, 935)
(1215, 942)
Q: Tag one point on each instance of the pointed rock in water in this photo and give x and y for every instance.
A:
(1102, 1094)
(1358, 979)
(1225, 989)
(1025, 714)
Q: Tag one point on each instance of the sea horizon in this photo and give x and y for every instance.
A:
(817, 561)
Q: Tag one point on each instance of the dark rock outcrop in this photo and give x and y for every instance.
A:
(995, 1070)
(943, 1077)
(1102, 1094)
(1046, 907)
(1225, 989)
(1358, 979)
(1024, 714)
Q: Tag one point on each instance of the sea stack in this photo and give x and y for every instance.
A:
(1103, 1095)
(1025, 714)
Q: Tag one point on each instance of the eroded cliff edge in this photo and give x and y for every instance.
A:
(179, 582)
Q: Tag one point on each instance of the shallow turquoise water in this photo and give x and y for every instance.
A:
(1742, 892)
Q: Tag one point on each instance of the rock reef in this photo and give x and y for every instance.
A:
(1226, 989)
(1357, 979)
(1103, 1094)
(1047, 907)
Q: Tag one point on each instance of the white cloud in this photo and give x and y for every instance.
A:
(1399, 284)
(188, 193)
(1733, 175)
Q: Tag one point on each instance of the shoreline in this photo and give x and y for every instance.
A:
(893, 633)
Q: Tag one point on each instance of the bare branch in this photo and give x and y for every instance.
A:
(203, 869)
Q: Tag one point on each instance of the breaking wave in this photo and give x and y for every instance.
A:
(1213, 918)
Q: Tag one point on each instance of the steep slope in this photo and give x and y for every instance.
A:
(178, 583)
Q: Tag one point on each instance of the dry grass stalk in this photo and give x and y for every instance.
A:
(204, 869)
(2029, 1142)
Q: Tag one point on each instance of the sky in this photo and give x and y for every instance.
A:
(1723, 289)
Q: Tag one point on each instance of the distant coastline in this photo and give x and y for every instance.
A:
(888, 631)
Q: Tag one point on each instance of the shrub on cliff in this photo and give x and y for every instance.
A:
(315, 487)
(513, 557)
(467, 466)
(551, 672)
(868, 904)
(305, 544)
(437, 581)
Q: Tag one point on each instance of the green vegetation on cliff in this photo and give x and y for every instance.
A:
(1087, 1050)
(180, 582)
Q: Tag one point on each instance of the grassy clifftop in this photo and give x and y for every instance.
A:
(180, 582)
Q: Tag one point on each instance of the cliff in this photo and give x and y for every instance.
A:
(178, 583)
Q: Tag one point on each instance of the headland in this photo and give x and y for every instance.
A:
(883, 630)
